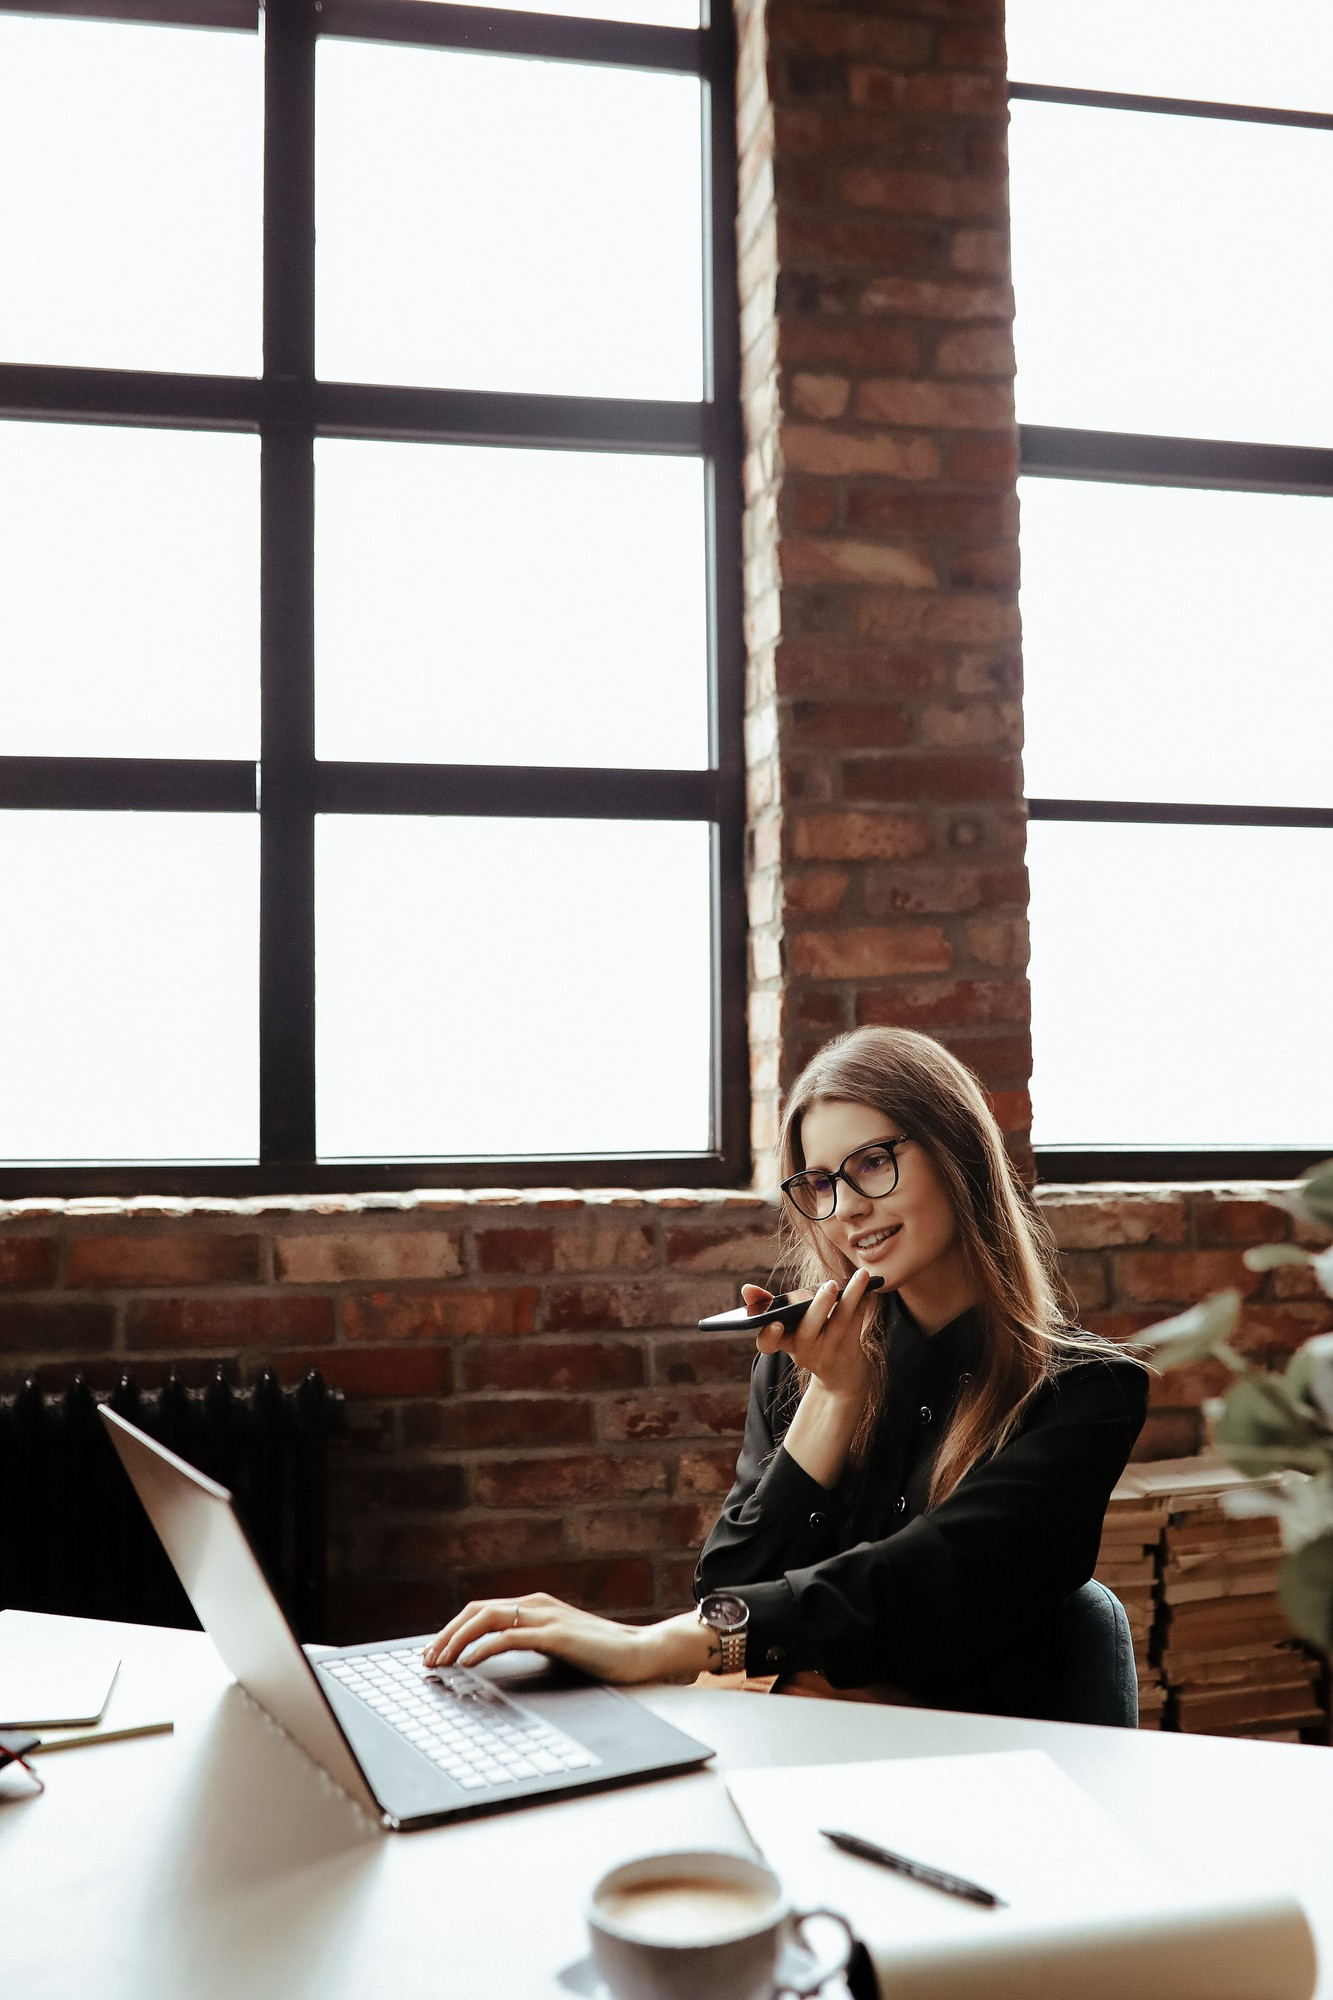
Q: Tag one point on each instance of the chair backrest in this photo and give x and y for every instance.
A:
(1096, 1679)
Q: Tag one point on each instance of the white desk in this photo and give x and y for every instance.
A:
(218, 1864)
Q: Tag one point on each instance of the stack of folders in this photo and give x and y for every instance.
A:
(1083, 1910)
(1228, 1654)
(1127, 1564)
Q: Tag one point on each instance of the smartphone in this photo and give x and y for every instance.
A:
(783, 1311)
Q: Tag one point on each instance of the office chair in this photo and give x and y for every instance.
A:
(1096, 1679)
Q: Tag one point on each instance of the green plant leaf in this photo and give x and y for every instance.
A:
(1305, 1587)
(1258, 1412)
(1323, 1270)
(1195, 1334)
(1268, 1256)
(1312, 1198)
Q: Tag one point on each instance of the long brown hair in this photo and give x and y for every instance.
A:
(1029, 1335)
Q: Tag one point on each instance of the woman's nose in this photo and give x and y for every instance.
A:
(846, 1200)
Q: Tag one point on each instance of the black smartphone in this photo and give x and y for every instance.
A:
(782, 1311)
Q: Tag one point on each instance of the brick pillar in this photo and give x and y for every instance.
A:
(887, 881)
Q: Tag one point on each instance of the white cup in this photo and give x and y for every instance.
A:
(702, 1925)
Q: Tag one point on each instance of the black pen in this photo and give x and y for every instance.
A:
(934, 1878)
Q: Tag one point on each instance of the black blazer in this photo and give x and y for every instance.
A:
(957, 1604)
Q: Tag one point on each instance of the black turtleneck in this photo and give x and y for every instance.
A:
(958, 1603)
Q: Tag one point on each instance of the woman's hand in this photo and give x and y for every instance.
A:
(828, 1340)
(673, 1649)
(828, 1343)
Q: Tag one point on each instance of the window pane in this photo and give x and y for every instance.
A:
(510, 607)
(1229, 51)
(502, 987)
(133, 1033)
(1180, 981)
(131, 159)
(129, 592)
(494, 223)
(1177, 644)
(1172, 274)
(657, 13)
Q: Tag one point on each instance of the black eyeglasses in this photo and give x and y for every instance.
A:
(871, 1171)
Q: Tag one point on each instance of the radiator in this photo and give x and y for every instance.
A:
(74, 1538)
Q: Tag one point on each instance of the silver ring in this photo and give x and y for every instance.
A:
(518, 1613)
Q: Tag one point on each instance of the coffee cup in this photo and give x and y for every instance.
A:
(704, 1923)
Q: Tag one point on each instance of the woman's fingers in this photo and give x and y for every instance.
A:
(770, 1339)
(485, 1615)
(756, 1299)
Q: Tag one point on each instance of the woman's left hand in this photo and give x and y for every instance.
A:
(544, 1624)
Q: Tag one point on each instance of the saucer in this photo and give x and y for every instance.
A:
(794, 1969)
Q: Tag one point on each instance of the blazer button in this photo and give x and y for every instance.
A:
(817, 1519)
(775, 1658)
(900, 1504)
(924, 1413)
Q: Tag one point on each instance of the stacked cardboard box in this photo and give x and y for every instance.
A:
(1127, 1564)
(1226, 1651)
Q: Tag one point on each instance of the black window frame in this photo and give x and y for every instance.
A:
(288, 407)
(1120, 457)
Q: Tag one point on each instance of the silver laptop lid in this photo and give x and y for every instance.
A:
(224, 1581)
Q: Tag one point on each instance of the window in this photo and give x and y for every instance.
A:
(370, 770)
(1172, 198)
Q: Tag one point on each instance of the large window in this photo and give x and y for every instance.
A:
(370, 658)
(1172, 200)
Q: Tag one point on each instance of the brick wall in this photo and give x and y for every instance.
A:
(884, 727)
(531, 1403)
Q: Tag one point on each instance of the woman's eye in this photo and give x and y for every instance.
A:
(873, 1160)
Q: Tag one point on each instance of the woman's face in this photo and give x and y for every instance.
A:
(910, 1237)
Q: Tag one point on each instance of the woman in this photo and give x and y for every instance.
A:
(925, 1467)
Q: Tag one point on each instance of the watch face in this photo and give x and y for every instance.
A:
(723, 1611)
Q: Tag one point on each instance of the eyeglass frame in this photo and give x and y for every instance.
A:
(840, 1173)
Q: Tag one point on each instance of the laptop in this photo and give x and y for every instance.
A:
(414, 1748)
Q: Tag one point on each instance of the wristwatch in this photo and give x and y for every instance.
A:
(726, 1617)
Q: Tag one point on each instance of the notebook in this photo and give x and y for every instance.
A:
(50, 1683)
(1085, 1911)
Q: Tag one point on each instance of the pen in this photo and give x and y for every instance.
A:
(934, 1878)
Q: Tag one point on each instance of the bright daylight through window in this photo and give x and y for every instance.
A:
(1172, 201)
(370, 791)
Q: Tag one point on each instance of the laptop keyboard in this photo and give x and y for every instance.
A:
(460, 1720)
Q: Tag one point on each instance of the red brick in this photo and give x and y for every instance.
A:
(742, 1247)
(1001, 942)
(424, 1488)
(1222, 1218)
(982, 252)
(972, 48)
(675, 1413)
(927, 405)
(1169, 1434)
(594, 1308)
(819, 1009)
(820, 397)
(54, 1329)
(960, 1003)
(1180, 1277)
(27, 1261)
(1121, 1326)
(520, 1250)
(932, 516)
(375, 1371)
(542, 1364)
(849, 725)
(834, 454)
(1190, 1386)
(809, 504)
(498, 1423)
(675, 1580)
(862, 954)
(704, 1359)
(859, 670)
(873, 242)
(701, 1470)
(918, 892)
(949, 92)
(961, 619)
(1271, 1332)
(188, 1258)
(333, 1257)
(991, 461)
(814, 892)
(1086, 1278)
(907, 779)
(983, 350)
(443, 1545)
(630, 1530)
(861, 836)
(838, 559)
(397, 1316)
(1011, 1110)
(249, 1322)
(827, 31)
(807, 341)
(1097, 1219)
(532, 1482)
(620, 1584)
(947, 197)
(995, 1059)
